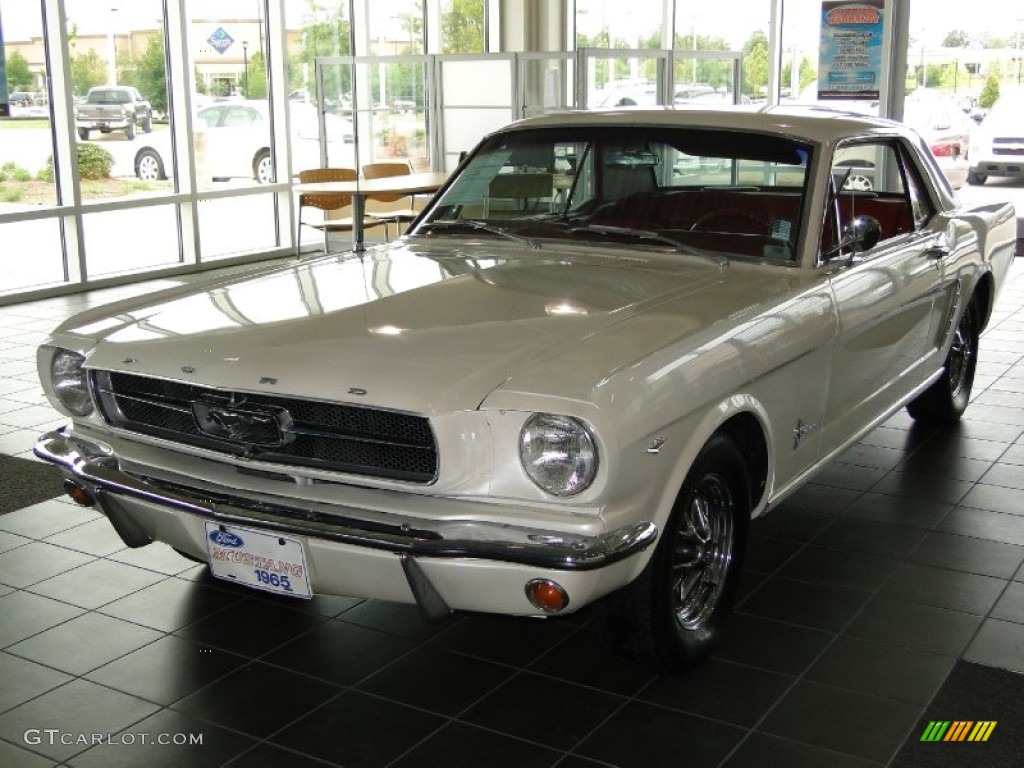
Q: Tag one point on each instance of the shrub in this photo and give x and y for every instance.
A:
(11, 172)
(93, 163)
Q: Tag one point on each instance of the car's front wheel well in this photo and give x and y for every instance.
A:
(983, 293)
(748, 434)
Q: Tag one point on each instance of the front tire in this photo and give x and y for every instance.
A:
(976, 179)
(675, 611)
(130, 131)
(83, 134)
(147, 124)
(945, 401)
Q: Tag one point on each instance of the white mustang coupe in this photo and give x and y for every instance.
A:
(610, 340)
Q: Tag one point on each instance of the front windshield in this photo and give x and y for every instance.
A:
(732, 192)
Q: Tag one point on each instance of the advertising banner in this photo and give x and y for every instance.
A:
(850, 54)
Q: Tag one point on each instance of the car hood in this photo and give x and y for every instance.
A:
(424, 328)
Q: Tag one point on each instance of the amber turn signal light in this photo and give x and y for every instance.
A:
(547, 595)
(78, 493)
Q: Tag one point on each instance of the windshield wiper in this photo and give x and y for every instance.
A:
(480, 226)
(648, 234)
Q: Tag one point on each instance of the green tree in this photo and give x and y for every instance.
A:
(256, 85)
(462, 28)
(755, 64)
(990, 92)
(326, 34)
(87, 70)
(956, 38)
(148, 73)
(19, 76)
(715, 73)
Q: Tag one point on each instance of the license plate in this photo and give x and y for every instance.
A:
(257, 559)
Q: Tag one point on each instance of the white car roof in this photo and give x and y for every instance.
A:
(815, 124)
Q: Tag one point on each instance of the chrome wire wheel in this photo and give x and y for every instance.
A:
(702, 552)
(962, 354)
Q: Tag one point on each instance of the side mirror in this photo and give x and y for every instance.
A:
(862, 234)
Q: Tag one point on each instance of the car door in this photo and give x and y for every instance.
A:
(886, 298)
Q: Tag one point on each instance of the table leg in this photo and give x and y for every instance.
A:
(358, 208)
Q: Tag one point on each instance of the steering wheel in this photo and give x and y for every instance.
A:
(859, 182)
(728, 220)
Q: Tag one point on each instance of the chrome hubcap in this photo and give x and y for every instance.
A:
(702, 552)
(961, 354)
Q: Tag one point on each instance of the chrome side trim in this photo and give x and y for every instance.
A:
(101, 473)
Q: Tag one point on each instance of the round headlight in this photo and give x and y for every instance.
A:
(69, 382)
(558, 453)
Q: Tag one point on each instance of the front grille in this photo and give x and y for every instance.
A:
(332, 436)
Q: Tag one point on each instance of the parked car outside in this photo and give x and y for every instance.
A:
(945, 129)
(997, 144)
(575, 380)
(233, 141)
(113, 108)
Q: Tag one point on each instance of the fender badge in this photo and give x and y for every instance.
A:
(187, 369)
(267, 380)
(357, 391)
(655, 445)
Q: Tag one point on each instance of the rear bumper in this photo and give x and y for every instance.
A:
(103, 123)
(470, 564)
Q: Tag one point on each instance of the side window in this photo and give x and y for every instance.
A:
(871, 180)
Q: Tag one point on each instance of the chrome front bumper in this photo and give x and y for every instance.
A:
(101, 474)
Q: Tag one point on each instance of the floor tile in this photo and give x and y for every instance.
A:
(76, 709)
(943, 588)
(84, 643)
(155, 557)
(166, 670)
(169, 605)
(962, 553)
(643, 735)
(458, 745)
(998, 644)
(811, 605)
(96, 537)
(46, 519)
(856, 724)
(96, 583)
(356, 729)
(436, 680)
(983, 524)
(899, 510)
(36, 562)
(793, 523)
(1011, 604)
(250, 627)
(711, 689)
(922, 627)
(873, 538)
(543, 710)
(265, 755)
(10, 541)
(24, 680)
(397, 618)
(762, 751)
(584, 659)
(341, 653)
(22, 758)
(141, 745)
(994, 499)
(34, 614)
(503, 639)
(882, 670)
(771, 645)
(840, 570)
(239, 700)
(766, 554)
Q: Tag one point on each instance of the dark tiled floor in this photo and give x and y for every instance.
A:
(861, 592)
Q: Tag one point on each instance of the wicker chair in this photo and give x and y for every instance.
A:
(327, 201)
(387, 217)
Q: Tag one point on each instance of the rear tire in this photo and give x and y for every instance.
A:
(262, 168)
(976, 179)
(149, 166)
(83, 134)
(945, 401)
(130, 131)
(147, 124)
(675, 611)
